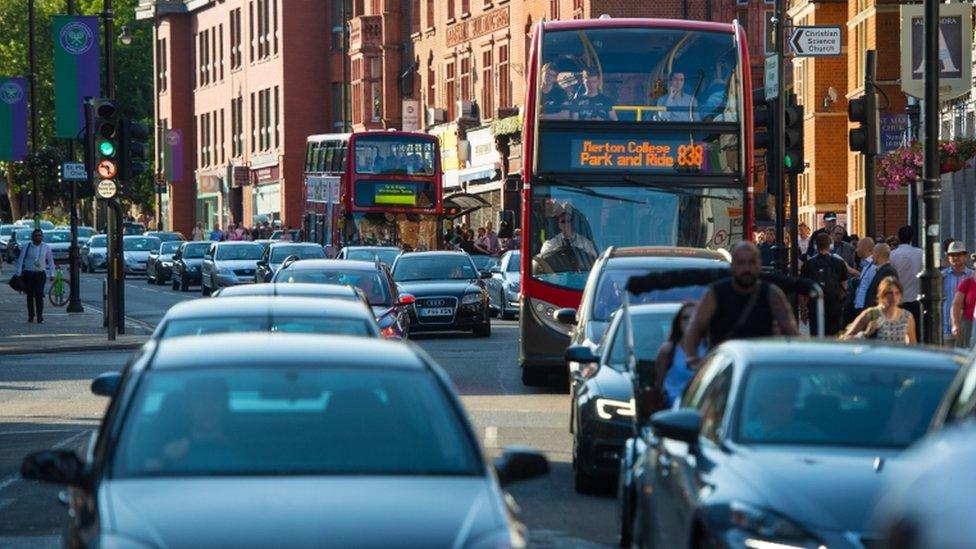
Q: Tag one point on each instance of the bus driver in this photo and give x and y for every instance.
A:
(568, 237)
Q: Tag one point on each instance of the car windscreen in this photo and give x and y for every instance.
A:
(166, 237)
(838, 404)
(170, 247)
(178, 327)
(609, 292)
(279, 252)
(434, 267)
(85, 232)
(484, 262)
(144, 244)
(372, 283)
(4, 231)
(57, 237)
(97, 242)
(240, 251)
(195, 251)
(650, 331)
(386, 256)
(288, 420)
(515, 263)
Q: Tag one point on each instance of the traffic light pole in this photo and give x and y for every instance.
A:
(778, 119)
(871, 105)
(74, 292)
(931, 277)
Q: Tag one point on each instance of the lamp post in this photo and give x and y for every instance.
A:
(931, 277)
(32, 55)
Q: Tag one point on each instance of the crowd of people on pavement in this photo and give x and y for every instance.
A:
(262, 231)
(482, 241)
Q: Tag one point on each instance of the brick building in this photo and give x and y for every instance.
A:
(246, 81)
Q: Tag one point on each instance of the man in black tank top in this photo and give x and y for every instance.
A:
(740, 307)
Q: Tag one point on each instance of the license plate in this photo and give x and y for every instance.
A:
(437, 311)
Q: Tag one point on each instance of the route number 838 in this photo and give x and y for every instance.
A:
(691, 155)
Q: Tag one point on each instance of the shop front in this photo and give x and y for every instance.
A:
(266, 194)
(209, 204)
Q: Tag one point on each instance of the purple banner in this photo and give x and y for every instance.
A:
(173, 155)
(76, 71)
(13, 118)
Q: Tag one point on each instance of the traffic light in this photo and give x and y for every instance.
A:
(864, 111)
(133, 148)
(793, 162)
(106, 135)
(761, 118)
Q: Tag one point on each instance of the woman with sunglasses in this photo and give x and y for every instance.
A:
(886, 321)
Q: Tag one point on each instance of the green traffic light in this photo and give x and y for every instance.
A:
(106, 148)
(788, 161)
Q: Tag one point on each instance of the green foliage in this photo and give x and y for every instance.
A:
(133, 69)
(507, 126)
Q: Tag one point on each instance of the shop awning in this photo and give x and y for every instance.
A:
(481, 174)
(459, 204)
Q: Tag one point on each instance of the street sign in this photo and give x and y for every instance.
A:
(820, 41)
(106, 169)
(107, 189)
(771, 82)
(73, 171)
(955, 50)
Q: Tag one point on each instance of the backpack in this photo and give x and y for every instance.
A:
(825, 275)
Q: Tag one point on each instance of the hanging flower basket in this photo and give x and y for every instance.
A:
(904, 166)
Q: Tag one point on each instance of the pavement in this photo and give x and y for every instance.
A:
(61, 332)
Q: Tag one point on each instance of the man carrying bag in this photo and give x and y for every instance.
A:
(34, 262)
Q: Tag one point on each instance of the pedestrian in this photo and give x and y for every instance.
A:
(841, 248)
(232, 233)
(803, 242)
(671, 371)
(830, 221)
(216, 234)
(907, 261)
(514, 243)
(491, 240)
(886, 321)
(830, 272)
(197, 233)
(35, 260)
(853, 239)
(892, 242)
(766, 248)
(960, 294)
(867, 289)
(741, 307)
(863, 254)
(944, 263)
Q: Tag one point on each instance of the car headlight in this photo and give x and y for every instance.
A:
(767, 530)
(607, 408)
(167, 264)
(471, 299)
(127, 258)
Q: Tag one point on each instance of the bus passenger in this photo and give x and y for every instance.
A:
(680, 107)
(554, 97)
(593, 104)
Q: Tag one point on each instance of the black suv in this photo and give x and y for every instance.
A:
(186, 264)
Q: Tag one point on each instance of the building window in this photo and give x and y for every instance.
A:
(274, 26)
(554, 9)
(449, 85)
(358, 9)
(431, 84)
(254, 124)
(277, 119)
(253, 37)
(465, 7)
(235, 39)
(220, 40)
(338, 114)
(223, 142)
(450, 9)
(214, 60)
(504, 82)
(415, 16)
(861, 41)
(487, 86)
(375, 8)
(769, 30)
(161, 65)
(235, 129)
(339, 11)
(466, 78)
(430, 14)
(216, 137)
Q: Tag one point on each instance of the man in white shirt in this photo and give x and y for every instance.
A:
(34, 261)
(907, 262)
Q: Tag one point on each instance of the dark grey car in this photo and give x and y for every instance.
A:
(159, 264)
(186, 264)
(284, 440)
(276, 253)
(94, 253)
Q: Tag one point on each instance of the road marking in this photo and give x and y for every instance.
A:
(12, 479)
(491, 437)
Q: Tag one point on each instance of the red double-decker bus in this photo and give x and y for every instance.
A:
(373, 189)
(636, 132)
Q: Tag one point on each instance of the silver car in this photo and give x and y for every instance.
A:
(60, 244)
(503, 286)
(135, 251)
(94, 254)
(229, 264)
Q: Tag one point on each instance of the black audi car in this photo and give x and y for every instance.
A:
(783, 444)
(159, 265)
(186, 264)
(285, 440)
(450, 293)
(602, 413)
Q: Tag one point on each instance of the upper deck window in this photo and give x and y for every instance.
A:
(395, 155)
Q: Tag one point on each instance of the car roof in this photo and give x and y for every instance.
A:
(371, 248)
(230, 306)
(132, 236)
(234, 242)
(280, 244)
(437, 253)
(816, 352)
(304, 289)
(665, 262)
(262, 349)
(332, 264)
(664, 251)
(655, 308)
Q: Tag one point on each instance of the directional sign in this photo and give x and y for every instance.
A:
(771, 83)
(816, 41)
(107, 189)
(73, 171)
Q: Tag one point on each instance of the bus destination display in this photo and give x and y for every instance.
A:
(397, 194)
(588, 153)
(404, 194)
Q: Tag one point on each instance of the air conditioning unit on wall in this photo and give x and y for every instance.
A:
(435, 116)
(465, 109)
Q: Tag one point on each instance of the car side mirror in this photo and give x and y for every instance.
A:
(683, 425)
(566, 316)
(407, 299)
(484, 274)
(55, 466)
(106, 384)
(262, 263)
(520, 463)
(582, 354)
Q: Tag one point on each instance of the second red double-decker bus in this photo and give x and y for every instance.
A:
(374, 189)
(637, 132)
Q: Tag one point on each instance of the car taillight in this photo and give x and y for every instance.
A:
(389, 331)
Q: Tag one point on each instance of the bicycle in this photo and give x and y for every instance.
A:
(57, 294)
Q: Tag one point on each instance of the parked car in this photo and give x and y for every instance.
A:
(94, 254)
(390, 306)
(275, 255)
(186, 264)
(29, 223)
(159, 265)
(19, 237)
(604, 288)
(484, 263)
(59, 241)
(782, 443)
(166, 236)
(288, 314)
(293, 234)
(450, 293)
(229, 263)
(84, 233)
(132, 228)
(386, 254)
(602, 393)
(135, 251)
(294, 289)
(359, 440)
(504, 285)
(6, 232)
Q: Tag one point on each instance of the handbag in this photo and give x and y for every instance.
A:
(16, 283)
